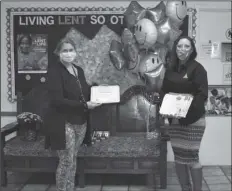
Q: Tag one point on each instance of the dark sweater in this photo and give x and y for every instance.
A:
(65, 104)
(196, 84)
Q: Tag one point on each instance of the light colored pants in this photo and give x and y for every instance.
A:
(66, 170)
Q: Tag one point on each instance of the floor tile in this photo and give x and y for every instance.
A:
(205, 187)
(220, 187)
(229, 177)
(12, 187)
(35, 187)
(216, 180)
(171, 165)
(114, 188)
(226, 170)
(138, 188)
(171, 172)
(172, 180)
(212, 171)
(171, 188)
(90, 188)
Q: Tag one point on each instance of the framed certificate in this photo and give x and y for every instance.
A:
(105, 94)
(176, 104)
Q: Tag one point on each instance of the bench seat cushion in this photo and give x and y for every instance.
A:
(111, 147)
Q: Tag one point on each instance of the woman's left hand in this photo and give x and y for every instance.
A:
(92, 105)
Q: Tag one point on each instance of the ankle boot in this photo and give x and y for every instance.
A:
(183, 176)
(196, 174)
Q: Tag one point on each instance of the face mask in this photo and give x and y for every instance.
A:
(183, 49)
(68, 56)
(183, 55)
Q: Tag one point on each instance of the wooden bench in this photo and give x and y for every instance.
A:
(121, 153)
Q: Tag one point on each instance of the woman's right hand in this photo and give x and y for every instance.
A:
(92, 105)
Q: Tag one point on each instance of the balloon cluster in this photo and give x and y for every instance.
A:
(148, 36)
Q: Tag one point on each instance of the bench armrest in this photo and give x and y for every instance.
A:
(9, 128)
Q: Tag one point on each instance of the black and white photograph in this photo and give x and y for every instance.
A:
(115, 95)
(219, 101)
(32, 54)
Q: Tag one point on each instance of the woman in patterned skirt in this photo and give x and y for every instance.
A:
(185, 75)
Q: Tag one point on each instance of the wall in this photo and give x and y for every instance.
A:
(216, 144)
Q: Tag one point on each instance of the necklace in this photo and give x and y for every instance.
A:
(79, 84)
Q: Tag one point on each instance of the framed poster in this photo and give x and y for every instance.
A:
(227, 73)
(33, 33)
(219, 101)
(31, 53)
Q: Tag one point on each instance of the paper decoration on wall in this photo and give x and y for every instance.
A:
(27, 77)
(205, 49)
(227, 73)
(216, 50)
(43, 79)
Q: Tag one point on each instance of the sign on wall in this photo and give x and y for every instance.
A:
(227, 73)
(33, 34)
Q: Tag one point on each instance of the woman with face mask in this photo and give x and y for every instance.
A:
(65, 123)
(185, 75)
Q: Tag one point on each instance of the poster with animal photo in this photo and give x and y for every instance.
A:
(219, 101)
(32, 56)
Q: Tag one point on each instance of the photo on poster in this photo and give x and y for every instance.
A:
(219, 101)
(32, 55)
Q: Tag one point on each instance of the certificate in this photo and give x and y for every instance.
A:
(176, 104)
(105, 94)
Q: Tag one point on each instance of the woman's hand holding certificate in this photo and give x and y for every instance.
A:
(176, 105)
(105, 94)
(92, 105)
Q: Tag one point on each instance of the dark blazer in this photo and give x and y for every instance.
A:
(196, 83)
(65, 104)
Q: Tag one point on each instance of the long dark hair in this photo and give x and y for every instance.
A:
(174, 58)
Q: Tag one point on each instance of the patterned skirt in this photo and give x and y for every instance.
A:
(186, 140)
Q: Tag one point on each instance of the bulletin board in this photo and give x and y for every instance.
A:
(90, 28)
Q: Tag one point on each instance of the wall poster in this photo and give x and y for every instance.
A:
(219, 101)
(33, 33)
(227, 73)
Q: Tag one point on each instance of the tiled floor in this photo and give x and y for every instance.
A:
(216, 178)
